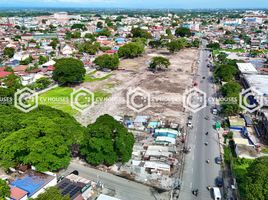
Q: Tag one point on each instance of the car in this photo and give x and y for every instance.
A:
(216, 193)
(189, 123)
(203, 77)
(219, 181)
(218, 160)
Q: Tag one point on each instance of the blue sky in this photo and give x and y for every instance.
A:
(138, 3)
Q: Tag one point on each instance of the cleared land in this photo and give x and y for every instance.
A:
(165, 87)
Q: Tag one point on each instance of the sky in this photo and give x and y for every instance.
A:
(176, 4)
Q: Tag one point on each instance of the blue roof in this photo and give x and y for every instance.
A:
(30, 184)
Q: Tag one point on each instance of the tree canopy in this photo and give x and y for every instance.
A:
(225, 72)
(183, 32)
(52, 193)
(159, 63)
(140, 33)
(4, 190)
(69, 71)
(253, 184)
(9, 52)
(176, 45)
(106, 142)
(41, 138)
(214, 45)
(89, 47)
(131, 50)
(230, 89)
(107, 61)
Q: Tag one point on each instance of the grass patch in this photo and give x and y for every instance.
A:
(227, 154)
(264, 150)
(60, 98)
(90, 78)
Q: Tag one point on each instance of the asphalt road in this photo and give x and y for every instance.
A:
(124, 189)
(197, 173)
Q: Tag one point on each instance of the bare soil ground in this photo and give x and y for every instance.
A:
(165, 87)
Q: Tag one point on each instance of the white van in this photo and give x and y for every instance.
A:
(216, 193)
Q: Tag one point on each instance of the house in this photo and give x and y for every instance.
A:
(77, 187)
(140, 121)
(34, 183)
(18, 194)
(3, 73)
(67, 50)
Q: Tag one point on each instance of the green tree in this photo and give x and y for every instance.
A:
(89, 47)
(222, 57)
(42, 83)
(176, 45)
(78, 26)
(229, 41)
(27, 61)
(225, 72)
(140, 40)
(106, 142)
(42, 59)
(4, 190)
(155, 44)
(69, 71)
(90, 36)
(54, 43)
(41, 138)
(107, 61)
(253, 185)
(52, 193)
(231, 89)
(183, 32)
(76, 34)
(131, 50)
(214, 45)
(104, 32)
(139, 33)
(159, 63)
(99, 25)
(195, 43)
(9, 52)
(168, 31)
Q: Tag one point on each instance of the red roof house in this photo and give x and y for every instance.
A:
(18, 194)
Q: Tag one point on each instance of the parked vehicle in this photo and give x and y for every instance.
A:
(218, 160)
(219, 181)
(189, 123)
(214, 111)
(216, 193)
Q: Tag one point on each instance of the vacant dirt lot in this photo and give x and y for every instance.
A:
(165, 88)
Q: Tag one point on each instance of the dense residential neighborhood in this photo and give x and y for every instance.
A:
(120, 104)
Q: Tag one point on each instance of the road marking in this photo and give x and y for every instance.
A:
(191, 185)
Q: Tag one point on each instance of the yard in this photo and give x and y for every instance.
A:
(60, 98)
